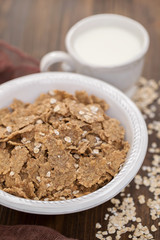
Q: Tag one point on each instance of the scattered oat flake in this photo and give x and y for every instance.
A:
(76, 156)
(99, 236)
(36, 150)
(18, 147)
(75, 192)
(57, 108)
(56, 132)
(48, 174)
(98, 225)
(81, 112)
(141, 199)
(53, 100)
(109, 238)
(23, 140)
(87, 117)
(111, 230)
(153, 228)
(95, 151)
(42, 134)
(84, 140)
(138, 219)
(84, 133)
(39, 121)
(94, 109)
(106, 216)
(48, 185)
(9, 129)
(97, 139)
(38, 178)
(11, 173)
(68, 139)
(104, 233)
(76, 165)
(154, 145)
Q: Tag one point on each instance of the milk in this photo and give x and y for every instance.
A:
(107, 46)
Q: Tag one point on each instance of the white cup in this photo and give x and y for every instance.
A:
(122, 76)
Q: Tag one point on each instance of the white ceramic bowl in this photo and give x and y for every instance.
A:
(29, 87)
(123, 76)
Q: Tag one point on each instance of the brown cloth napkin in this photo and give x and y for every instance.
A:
(29, 232)
(13, 64)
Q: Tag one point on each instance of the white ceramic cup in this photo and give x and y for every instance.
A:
(122, 76)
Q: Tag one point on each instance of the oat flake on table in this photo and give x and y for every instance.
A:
(123, 217)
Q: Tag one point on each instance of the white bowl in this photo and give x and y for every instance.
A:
(29, 87)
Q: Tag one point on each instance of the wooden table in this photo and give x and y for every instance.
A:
(40, 26)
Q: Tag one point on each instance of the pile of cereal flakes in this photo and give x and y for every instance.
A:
(123, 219)
(60, 147)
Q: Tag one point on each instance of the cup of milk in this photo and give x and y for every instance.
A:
(109, 47)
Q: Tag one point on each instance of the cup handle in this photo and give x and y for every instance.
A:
(55, 57)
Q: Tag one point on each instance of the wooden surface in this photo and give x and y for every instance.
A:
(40, 26)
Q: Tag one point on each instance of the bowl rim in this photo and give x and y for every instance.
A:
(136, 155)
(105, 17)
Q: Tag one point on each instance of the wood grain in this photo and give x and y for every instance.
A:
(38, 27)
